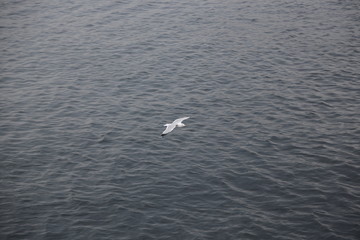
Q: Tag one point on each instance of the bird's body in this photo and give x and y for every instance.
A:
(171, 126)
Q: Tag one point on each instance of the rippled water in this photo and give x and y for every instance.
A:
(271, 150)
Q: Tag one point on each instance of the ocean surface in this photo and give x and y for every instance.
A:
(271, 149)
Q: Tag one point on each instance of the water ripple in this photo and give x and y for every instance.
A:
(270, 151)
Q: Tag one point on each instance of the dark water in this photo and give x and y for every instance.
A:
(271, 150)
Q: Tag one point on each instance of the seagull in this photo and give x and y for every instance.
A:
(171, 126)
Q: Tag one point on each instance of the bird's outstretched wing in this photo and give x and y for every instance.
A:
(168, 129)
(179, 120)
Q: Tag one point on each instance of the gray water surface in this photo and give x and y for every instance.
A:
(271, 150)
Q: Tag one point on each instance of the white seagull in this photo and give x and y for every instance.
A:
(171, 126)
